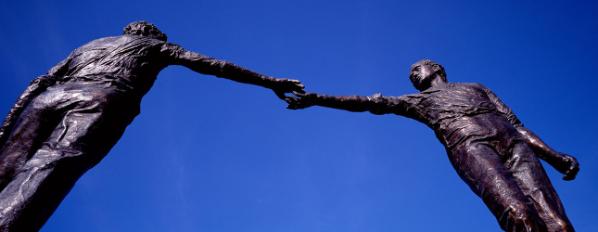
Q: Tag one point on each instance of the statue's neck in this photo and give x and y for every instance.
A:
(438, 82)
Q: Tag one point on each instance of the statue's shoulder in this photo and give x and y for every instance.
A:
(98, 44)
(472, 85)
(104, 40)
(117, 41)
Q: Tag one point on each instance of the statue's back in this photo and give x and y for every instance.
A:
(130, 59)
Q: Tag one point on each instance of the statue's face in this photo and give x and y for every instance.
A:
(422, 71)
(421, 75)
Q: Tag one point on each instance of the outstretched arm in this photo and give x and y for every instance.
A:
(223, 69)
(564, 163)
(376, 104)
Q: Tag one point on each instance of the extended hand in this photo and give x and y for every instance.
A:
(570, 167)
(301, 100)
(283, 86)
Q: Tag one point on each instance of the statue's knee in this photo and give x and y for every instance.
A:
(518, 217)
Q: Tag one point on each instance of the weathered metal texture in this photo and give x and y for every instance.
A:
(488, 146)
(67, 120)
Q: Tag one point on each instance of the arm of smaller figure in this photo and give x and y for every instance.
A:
(564, 163)
(376, 104)
(223, 69)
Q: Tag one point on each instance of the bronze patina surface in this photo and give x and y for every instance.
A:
(488, 146)
(67, 120)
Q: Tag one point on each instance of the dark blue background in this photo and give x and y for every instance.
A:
(208, 154)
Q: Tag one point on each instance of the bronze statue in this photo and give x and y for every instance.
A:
(488, 146)
(68, 120)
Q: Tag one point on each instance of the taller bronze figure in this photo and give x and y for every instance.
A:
(488, 146)
(68, 120)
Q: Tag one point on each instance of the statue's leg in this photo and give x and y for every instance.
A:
(481, 168)
(83, 137)
(534, 183)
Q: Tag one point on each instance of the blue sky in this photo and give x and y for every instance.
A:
(207, 154)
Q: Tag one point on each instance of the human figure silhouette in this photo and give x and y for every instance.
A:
(487, 145)
(68, 120)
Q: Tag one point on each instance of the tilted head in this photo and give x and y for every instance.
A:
(143, 28)
(424, 72)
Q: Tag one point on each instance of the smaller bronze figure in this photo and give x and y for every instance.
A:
(68, 120)
(487, 145)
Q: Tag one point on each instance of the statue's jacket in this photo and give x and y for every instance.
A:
(462, 114)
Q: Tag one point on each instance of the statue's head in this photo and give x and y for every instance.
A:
(424, 72)
(143, 28)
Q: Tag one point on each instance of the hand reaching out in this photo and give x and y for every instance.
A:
(301, 100)
(284, 86)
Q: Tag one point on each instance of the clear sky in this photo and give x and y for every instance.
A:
(208, 154)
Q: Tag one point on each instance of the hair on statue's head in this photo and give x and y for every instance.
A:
(144, 28)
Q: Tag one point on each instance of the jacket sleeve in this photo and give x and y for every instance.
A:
(375, 104)
(177, 55)
(503, 108)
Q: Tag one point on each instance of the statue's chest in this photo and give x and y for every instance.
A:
(452, 102)
(455, 96)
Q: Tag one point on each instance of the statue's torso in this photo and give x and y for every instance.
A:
(129, 62)
(460, 112)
